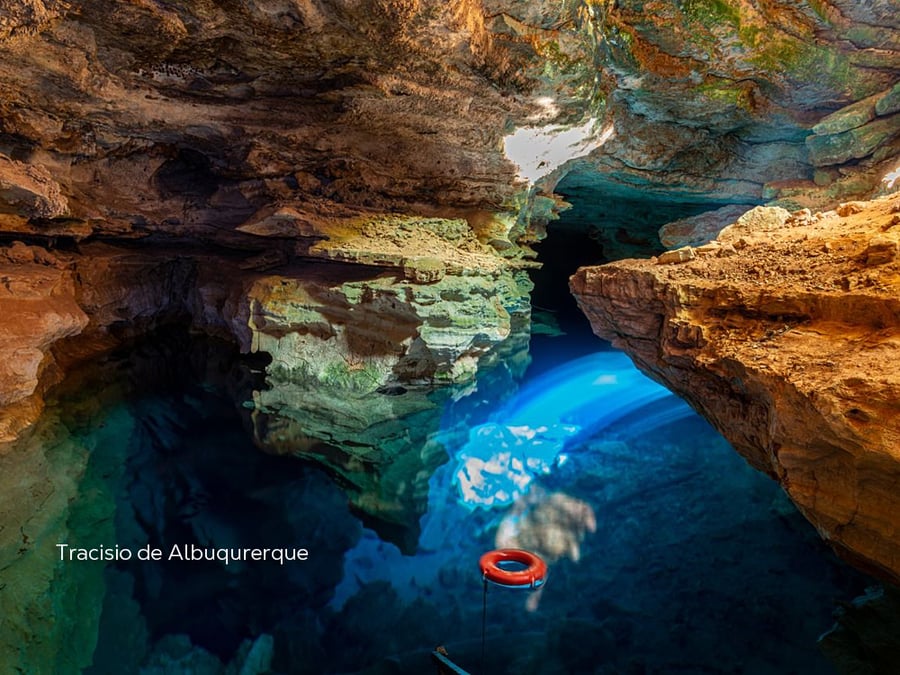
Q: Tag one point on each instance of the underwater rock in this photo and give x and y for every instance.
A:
(382, 443)
(377, 446)
(864, 639)
(552, 525)
(176, 654)
(783, 348)
(54, 488)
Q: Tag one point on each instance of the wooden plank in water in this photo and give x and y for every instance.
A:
(444, 664)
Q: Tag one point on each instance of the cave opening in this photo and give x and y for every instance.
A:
(599, 227)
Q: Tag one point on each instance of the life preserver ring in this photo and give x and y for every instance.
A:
(498, 568)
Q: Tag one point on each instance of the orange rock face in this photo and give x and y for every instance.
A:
(38, 309)
(785, 334)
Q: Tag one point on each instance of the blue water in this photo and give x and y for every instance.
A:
(529, 433)
(667, 553)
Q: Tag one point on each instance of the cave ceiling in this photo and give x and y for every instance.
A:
(194, 118)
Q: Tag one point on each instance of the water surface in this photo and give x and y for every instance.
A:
(668, 554)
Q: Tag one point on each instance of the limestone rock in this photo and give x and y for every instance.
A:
(430, 303)
(423, 270)
(28, 17)
(396, 241)
(699, 229)
(29, 191)
(794, 334)
(50, 618)
(197, 117)
(889, 102)
(19, 253)
(282, 221)
(849, 117)
(679, 255)
(881, 250)
(763, 219)
(864, 637)
(758, 222)
(39, 310)
(362, 335)
(686, 61)
(384, 444)
(151, 121)
(849, 208)
(853, 144)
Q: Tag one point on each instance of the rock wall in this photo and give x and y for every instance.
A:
(782, 333)
(38, 309)
(713, 100)
(197, 120)
(191, 118)
(385, 307)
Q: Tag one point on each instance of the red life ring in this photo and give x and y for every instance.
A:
(495, 567)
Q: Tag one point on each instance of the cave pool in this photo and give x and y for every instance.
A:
(668, 553)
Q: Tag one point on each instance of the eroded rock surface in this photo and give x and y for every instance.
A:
(355, 342)
(783, 332)
(218, 121)
(199, 118)
(38, 310)
(713, 100)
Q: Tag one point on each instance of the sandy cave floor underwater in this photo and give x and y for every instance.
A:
(671, 554)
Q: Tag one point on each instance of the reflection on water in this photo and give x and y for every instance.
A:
(551, 525)
(669, 554)
(530, 431)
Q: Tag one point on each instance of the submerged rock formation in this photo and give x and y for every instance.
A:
(783, 332)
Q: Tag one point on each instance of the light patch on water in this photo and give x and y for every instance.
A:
(499, 462)
(891, 177)
(538, 151)
(526, 438)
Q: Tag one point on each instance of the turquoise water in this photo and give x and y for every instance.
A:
(667, 553)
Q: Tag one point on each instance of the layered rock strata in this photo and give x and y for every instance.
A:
(398, 309)
(357, 330)
(732, 102)
(38, 306)
(782, 333)
(199, 120)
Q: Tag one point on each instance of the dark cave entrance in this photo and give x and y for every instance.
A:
(600, 227)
